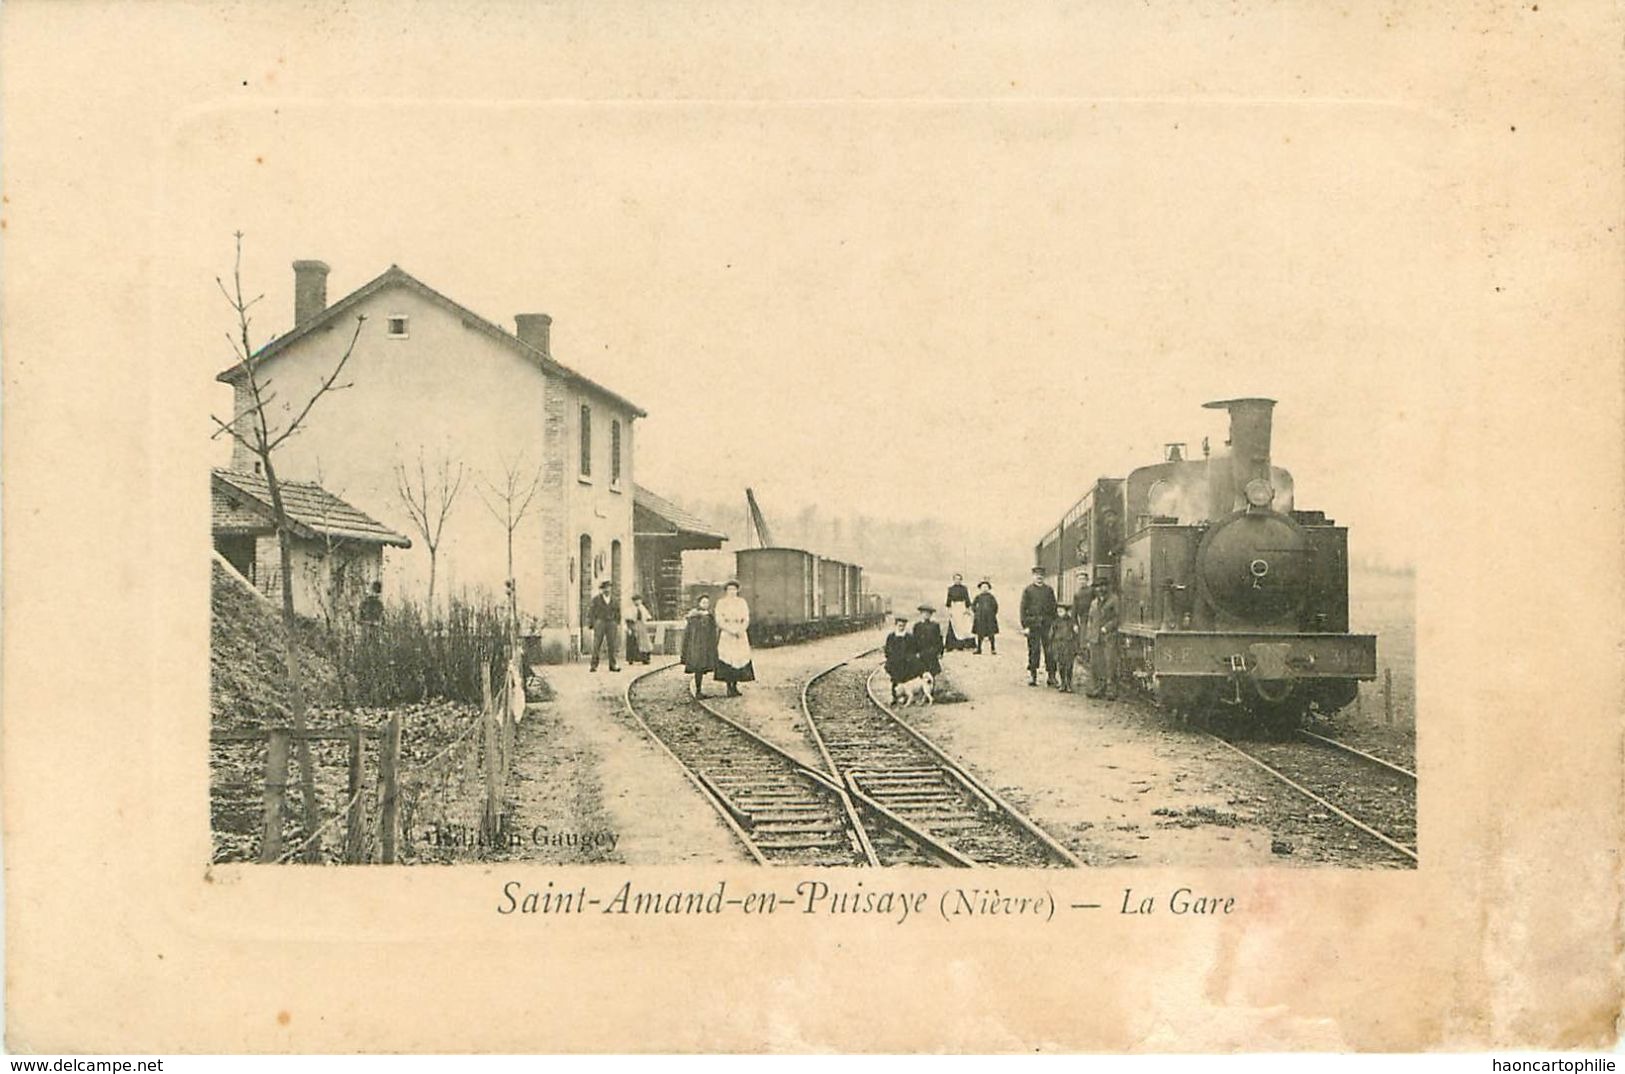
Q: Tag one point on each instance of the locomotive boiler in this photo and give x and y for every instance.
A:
(1229, 595)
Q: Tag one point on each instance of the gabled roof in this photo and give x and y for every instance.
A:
(395, 276)
(242, 504)
(656, 516)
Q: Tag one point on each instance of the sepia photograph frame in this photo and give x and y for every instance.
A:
(613, 420)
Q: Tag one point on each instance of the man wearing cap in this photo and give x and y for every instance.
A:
(928, 641)
(603, 615)
(1037, 615)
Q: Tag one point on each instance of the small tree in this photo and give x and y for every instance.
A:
(256, 428)
(513, 496)
(428, 503)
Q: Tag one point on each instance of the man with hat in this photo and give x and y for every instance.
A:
(1037, 616)
(928, 641)
(604, 617)
(1102, 632)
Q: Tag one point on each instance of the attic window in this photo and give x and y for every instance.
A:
(395, 327)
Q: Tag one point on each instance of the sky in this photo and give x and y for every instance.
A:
(961, 310)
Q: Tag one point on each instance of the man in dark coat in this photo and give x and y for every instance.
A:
(605, 618)
(1037, 614)
(1091, 638)
(986, 609)
(700, 643)
(1110, 645)
(901, 662)
(928, 641)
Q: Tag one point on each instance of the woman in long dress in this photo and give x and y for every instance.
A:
(640, 636)
(987, 617)
(961, 622)
(700, 644)
(733, 639)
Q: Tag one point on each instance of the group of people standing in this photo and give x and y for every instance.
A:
(604, 616)
(1058, 634)
(716, 641)
(972, 624)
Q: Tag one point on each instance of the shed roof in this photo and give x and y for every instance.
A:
(656, 516)
(395, 276)
(241, 504)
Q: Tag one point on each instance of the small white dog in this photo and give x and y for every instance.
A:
(903, 693)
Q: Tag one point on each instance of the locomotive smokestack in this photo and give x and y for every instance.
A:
(1250, 421)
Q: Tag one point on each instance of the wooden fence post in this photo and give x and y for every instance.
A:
(1359, 710)
(355, 837)
(511, 680)
(492, 734)
(389, 765)
(276, 795)
(1388, 696)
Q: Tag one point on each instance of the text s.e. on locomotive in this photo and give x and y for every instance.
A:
(1228, 595)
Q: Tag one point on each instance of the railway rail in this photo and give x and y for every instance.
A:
(1382, 809)
(781, 811)
(1370, 758)
(896, 773)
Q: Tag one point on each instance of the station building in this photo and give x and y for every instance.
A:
(431, 382)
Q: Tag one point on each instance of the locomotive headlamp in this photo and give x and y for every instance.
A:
(1259, 492)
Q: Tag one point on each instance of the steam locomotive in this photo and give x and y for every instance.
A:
(1230, 598)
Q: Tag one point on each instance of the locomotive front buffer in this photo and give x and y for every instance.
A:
(1319, 668)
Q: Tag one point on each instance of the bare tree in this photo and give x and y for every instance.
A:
(261, 431)
(514, 496)
(429, 503)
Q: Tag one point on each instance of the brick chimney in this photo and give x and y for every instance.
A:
(309, 290)
(534, 329)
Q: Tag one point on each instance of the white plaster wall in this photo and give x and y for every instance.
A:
(447, 390)
(596, 506)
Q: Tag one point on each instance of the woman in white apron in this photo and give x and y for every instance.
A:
(640, 636)
(961, 620)
(733, 640)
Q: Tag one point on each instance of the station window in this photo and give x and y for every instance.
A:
(615, 454)
(586, 440)
(396, 326)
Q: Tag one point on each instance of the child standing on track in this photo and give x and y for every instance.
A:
(700, 644)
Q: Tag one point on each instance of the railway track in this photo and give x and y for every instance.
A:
(896, 774)
(783, 812)
(1377, 797)
(1369, 758)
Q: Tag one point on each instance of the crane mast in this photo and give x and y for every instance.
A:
(764, 539)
